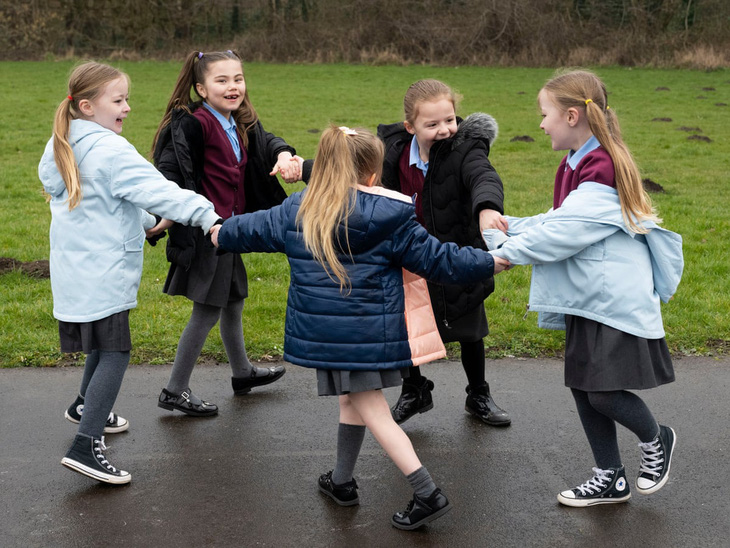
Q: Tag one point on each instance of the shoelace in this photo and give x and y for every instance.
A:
(596, 483)
(98, 448)
(652, 458)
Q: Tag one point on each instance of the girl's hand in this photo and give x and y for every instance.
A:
(214, 234)
(490, 218)
(289, 167)
(160, 227)
(501, 264)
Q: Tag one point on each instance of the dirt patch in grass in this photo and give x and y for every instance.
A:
(34, 269)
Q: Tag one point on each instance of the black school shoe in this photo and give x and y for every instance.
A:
(114, 423)
(479, 403)
(413, 399)
(656, 458)
(259, 377)
(420, 511)
(606, 487)
(182, 403)
(344, 494)
(86, 457)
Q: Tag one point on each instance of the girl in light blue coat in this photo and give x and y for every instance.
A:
(601, 267)
(100, 190)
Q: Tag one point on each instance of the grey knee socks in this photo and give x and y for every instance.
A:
(421, 482)
(349, 442)
(232, 337)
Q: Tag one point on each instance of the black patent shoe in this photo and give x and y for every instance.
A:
(479, 403)
(420, 511)
(413, 400)
(344, 494)
(259, 377)
(182, 403)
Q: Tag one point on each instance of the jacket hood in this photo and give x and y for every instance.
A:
(83, 135)
(477, 126)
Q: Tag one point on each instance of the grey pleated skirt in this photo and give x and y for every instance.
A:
(599, 358)
(332, 382)
(110, 334)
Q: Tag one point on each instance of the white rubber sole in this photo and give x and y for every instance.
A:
(107, 429)
(76, 466)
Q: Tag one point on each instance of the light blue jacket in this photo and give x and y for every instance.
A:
(96, 248)
(588, 263)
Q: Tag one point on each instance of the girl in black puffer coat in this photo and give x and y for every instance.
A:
(443, 162)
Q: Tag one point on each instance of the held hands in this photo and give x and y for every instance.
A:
(159, 228)
(214, 234)
(289, 167)
(501, 264)
(490, 218)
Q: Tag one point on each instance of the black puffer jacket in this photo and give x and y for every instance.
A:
(178, 156)
(460, 182)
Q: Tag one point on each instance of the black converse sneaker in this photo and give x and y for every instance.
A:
(86, 457)
(606, 487)
(656, 458)
(114, 423)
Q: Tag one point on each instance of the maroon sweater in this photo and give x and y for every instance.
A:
(411, 181)
(595, 166)
(223, 175)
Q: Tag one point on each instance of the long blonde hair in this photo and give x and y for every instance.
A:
(194, 69)
(581, 89)
(87, 81)
(343, 159)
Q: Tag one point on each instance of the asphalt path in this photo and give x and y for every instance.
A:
(248, 476)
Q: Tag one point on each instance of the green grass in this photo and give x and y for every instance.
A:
(297, 101)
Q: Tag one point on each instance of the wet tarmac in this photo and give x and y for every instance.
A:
(248, 476)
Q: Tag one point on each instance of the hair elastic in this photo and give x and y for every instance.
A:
(200, 55)
(608, 108)
(588, 101)
(69, 98)
(347, 131)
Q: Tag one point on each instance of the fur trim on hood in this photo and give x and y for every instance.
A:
(477, 126)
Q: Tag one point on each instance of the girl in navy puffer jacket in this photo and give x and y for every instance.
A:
(358, 310)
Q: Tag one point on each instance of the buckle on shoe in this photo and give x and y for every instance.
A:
(185, 395)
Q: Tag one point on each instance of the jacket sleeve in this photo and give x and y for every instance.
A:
(554, 239)
(272, 145)
(482, 181)
(419, 252)
(136, 180)
(262, 231)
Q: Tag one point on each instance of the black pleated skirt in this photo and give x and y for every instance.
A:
(110, 334)
(215, 280)
(599, 358)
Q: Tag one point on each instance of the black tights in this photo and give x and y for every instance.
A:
(472, 360)
(600, 411)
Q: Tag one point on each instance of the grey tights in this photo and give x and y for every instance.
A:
(600, 411)
(202, 320)
(103, 374)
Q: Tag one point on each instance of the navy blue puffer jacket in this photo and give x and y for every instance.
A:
(364, 329)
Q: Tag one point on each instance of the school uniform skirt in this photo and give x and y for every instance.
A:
(599, 358)
(336, 382)
(110, 334)
(212, 279)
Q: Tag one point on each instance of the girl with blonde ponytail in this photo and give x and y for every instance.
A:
(358, 309)
(100, 191)
(602, 265)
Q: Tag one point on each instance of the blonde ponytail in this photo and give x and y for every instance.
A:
(343, 159)
(583, 89)
(87, 81)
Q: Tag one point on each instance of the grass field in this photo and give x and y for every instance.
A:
(676, 122)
